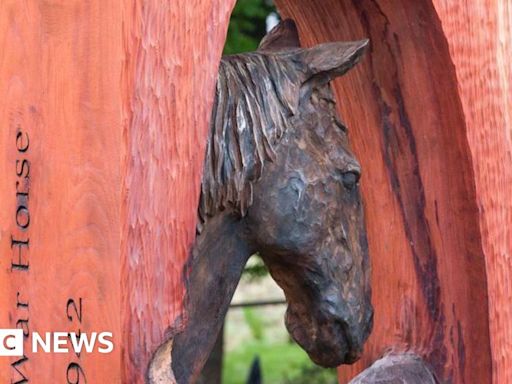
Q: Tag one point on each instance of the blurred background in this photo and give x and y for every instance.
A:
(254, 346)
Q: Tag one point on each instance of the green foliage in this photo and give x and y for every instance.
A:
(254, 322)
(312, 374)
(278, 360)
(255, 268)
(247, 25)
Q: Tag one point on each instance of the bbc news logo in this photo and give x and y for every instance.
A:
(11, 342)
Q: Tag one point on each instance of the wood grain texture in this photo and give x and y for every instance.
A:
(57, 76)
(408, 126)
(114, 100)
(479, 38)
(173, 51)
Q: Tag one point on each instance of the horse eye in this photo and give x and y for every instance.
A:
(350, 179)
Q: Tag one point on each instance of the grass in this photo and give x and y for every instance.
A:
(260, 331)
(278, 361)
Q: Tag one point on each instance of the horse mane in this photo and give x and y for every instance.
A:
(256, 95)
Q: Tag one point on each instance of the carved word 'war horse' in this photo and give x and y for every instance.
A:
(280, 180)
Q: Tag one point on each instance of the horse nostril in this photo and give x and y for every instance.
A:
(350, 179)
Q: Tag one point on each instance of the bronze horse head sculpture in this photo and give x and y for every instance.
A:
(280, 179)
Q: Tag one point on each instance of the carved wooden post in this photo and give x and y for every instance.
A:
(431, 105)
(103, 122)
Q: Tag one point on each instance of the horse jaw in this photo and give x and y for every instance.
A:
(319, 316)
(330, 338)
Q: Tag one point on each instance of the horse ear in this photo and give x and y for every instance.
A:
(333, 59)
(283, 36)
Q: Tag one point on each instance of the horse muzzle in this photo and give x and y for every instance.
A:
(329, 339)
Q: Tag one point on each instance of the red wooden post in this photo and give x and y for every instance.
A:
(428, 117)
(479, 38)
(103, 124)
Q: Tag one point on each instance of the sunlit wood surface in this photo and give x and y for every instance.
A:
(429, 118)
(108, 105)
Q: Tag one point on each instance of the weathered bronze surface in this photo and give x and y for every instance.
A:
(280, 179)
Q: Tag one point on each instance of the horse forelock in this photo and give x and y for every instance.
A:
(256, 94)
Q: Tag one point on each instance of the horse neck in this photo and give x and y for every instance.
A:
(219, 257)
